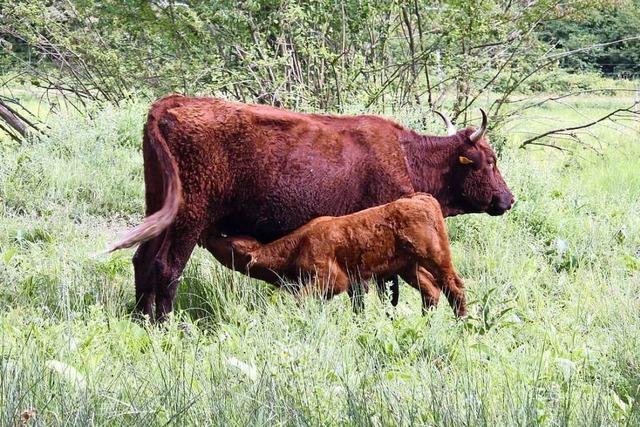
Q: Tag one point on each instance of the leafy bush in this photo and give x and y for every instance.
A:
(562, 81)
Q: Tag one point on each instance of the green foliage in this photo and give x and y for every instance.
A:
(552, 337)
(605, 25)
(384, 55)
(562, 81)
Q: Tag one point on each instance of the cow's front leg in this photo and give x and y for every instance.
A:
(381, 284)
(356, 292)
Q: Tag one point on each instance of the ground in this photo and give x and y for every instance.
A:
(553, 337)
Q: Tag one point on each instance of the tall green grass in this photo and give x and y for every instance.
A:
(553, 337)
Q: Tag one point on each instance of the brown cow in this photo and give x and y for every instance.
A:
(333, 253)
(215, 168)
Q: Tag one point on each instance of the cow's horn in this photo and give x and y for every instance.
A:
(479, 133)
(451, 129)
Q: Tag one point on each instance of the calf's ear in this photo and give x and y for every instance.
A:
(465, 160)
(251, 262)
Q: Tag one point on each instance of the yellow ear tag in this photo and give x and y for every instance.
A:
(465, 160)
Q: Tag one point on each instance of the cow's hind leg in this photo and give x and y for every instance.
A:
(158, 265)
(145, 277)
(171, 260)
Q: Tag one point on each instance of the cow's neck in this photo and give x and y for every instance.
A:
(430, 160)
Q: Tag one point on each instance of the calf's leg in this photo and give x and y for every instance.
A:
(327, 281)
(433, 253)
(449, 282)
(422, 280)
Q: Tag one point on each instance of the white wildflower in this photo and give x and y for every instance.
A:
(68, 372)
(247, 369)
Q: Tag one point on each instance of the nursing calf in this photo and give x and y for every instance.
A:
(331, 254)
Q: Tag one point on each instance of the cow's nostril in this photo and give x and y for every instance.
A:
(502, 202)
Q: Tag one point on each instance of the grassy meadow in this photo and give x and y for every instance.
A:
(553, 337)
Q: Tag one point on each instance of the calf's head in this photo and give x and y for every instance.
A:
(233, 252)
(476, 184)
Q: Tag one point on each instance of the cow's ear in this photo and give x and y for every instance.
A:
(464, 160)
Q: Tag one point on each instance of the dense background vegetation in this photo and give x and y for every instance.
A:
(553, 337)
(383, 54)
(612, 27)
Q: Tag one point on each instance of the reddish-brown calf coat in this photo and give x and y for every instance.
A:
(215, 168)
(331, 253)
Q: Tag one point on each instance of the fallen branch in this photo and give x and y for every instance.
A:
(17, 121)
(13, 121)
(11, 133)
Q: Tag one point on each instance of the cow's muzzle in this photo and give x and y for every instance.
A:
(500, 204)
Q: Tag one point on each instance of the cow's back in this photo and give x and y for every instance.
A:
(266, 171)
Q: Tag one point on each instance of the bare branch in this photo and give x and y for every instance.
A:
(563, 131)
(593, 46)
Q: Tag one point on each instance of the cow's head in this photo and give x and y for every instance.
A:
(476, 182)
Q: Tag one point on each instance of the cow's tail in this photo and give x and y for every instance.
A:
(157, 222)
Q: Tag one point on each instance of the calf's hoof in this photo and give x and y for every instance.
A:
(461, 313)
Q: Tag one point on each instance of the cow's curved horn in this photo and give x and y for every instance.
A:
(479, 133)
(451, 129)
